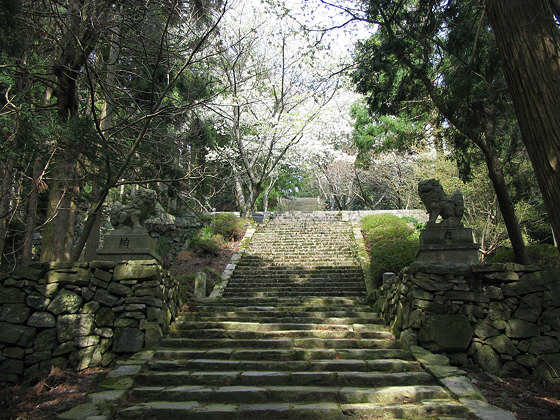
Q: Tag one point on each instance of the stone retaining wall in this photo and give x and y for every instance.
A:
(503, 317)
(81, 315)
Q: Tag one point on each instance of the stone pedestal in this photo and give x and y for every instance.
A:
(128, 244)
(447, 242)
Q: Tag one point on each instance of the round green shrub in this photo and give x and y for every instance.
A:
(392, 256)
(385, 228)
(228, 225)
(545, 255)
(206, 247)
(391, 242)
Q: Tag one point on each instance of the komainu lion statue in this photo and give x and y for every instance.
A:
(450, 208)
(133, 215)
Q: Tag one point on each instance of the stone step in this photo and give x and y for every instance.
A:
(291, 378)
(293, 293)
(291, 281)
(292, 266)
(267, 274)
(263, 311)
(328, 245)
(210, 323)
(283, 354)
(303, 269)
(303, 302)
(274, 323)
(293, 394)
(258, 273)
(278, 343)
(172, 410)
(295, 287)
(254, 335)
(375, 365)
(279, 259)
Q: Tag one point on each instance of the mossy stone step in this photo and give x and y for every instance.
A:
(312, 319)
(172, 410)
(293, 394)
(294, 294)
(290, 281)
(279, 343)
(274, 377)
(313, 302)
(283, 354)
(375, 365)
(300, 288)
(252, 335)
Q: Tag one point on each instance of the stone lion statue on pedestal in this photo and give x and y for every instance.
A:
(450, 208)
(133, 215)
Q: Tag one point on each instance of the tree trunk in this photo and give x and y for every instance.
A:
(265, 200)
(58, 212)
(90, 250)
(239, 195)
(6, 170)
(30, 218)
(71, 222)
(528, 39)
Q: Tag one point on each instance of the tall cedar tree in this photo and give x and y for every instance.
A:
(528, 35)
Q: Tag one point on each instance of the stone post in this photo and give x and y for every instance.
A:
(200, 285)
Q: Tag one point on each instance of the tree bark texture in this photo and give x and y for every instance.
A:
(54, 242)
(30, 218)
(528, 38)
(6, 171)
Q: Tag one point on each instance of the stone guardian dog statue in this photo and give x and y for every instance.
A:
(450, 208)
(133, 215)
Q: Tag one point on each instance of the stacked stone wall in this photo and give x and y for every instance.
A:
(503, 317)
(81, 315)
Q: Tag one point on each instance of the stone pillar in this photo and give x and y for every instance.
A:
(447, 242)
(200, 285)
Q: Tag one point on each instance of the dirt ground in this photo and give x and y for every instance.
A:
(527, 398)
(46, 396)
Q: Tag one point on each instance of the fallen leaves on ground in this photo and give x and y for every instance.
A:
(527, 398)
(47, 395)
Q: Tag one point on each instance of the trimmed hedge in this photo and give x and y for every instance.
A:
(391, 242)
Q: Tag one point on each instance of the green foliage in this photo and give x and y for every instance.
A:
(391, 242)
(229, 226)
(384, 132)
(418, 225)
(385, 228)
(392, 256)
(9, 14)
(206, 232)
(539, 254)
(163, 246)
(206, 247)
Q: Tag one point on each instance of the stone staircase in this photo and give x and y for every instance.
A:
(292, 256)
(292, 338)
